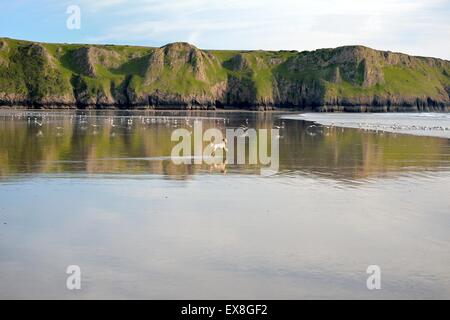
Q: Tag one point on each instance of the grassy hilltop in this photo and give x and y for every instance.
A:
(353, 78)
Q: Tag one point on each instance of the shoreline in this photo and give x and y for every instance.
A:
(315, 109)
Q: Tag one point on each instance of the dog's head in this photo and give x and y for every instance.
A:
(225, 141)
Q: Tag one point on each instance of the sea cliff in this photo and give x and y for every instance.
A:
(179, 75)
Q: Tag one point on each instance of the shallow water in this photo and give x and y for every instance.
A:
(97, 190)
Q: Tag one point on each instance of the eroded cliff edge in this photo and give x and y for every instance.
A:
(179, 75)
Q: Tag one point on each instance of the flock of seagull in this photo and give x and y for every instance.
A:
(387, 127)
(396, 126)
(84, 121)
(127, 122)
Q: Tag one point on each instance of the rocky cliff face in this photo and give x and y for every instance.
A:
(179, 75)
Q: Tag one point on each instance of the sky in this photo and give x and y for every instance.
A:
(418, 27)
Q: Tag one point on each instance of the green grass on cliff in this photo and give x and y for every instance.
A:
(397, 80)
(31, 72)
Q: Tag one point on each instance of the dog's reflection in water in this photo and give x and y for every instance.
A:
(219, 167)
(219, 164)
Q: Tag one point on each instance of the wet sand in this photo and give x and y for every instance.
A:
(420, 124)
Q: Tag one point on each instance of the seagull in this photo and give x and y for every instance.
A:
(38, 123)
(59, 132)
(243, 127)
(280, 126)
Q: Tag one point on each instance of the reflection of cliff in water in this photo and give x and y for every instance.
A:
(357, 154)
(139, 143)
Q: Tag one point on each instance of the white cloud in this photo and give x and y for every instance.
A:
(98, 5)
(414, 26)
